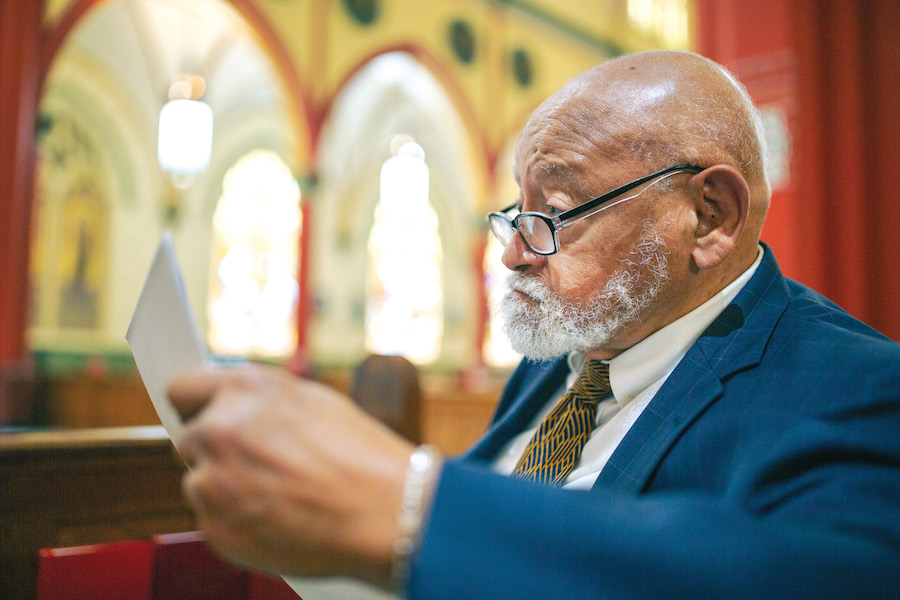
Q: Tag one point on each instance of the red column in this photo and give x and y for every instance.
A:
(20, 35)
(483, 313)
(299, 362)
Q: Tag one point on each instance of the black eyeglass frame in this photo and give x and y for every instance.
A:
(568, 217)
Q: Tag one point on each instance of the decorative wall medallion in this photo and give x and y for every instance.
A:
(521, 67)
(363, 11)
(462, 41)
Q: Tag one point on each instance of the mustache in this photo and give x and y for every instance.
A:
(528, 285)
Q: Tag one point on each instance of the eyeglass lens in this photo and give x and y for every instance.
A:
(535, 231)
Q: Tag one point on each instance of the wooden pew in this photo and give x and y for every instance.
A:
(89, 486)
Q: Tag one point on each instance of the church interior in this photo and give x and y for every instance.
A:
(323, 168)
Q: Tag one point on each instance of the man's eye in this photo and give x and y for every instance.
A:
(552, 211)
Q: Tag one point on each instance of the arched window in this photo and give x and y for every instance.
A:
(404, 311)
(253, 288)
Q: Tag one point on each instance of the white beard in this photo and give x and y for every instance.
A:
(550, 327)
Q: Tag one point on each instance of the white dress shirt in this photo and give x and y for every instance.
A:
(635, 376)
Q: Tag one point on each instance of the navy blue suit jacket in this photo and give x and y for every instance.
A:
(767, 466)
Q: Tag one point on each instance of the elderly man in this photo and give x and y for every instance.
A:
(687, 422)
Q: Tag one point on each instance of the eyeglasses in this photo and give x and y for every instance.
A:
(541, 233)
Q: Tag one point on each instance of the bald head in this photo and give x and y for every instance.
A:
(663, 108)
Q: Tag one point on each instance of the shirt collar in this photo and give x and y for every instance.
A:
(656, 356)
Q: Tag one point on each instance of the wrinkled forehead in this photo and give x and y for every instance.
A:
(599, 117)
(567, 141)
(550, 150)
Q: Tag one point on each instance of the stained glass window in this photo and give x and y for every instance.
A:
(256, 228)
(404, 310)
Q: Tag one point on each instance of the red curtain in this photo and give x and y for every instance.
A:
(833, 69)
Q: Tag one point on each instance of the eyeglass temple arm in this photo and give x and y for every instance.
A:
(601, 200)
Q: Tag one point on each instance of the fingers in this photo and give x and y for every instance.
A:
(218, 405)
(190, 391)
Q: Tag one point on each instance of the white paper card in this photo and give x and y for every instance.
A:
(164, 339)
(163, 334)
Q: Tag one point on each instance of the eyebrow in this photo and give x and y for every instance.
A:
(559, 171)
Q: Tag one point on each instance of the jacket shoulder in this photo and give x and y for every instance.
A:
(810, 313)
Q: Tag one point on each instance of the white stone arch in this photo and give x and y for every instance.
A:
(393, 94)
(114, 71)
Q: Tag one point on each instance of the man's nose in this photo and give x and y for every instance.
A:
(517, 256)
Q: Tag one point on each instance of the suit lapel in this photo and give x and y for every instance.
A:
(733, 342)
(525, 395)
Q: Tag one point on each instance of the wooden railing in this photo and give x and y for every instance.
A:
(452, 419)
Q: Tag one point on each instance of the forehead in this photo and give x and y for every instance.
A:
(549, 151)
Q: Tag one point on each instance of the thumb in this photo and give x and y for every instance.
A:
(192, 389)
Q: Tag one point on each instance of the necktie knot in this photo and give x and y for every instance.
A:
(592, 384)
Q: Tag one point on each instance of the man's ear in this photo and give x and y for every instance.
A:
(721, 204)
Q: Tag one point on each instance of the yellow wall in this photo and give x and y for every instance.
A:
(562, 38)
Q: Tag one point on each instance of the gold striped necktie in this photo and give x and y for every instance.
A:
(556, 446)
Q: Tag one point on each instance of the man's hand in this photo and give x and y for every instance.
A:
(287, 475)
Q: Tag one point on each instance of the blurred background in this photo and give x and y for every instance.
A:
(325, 166)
